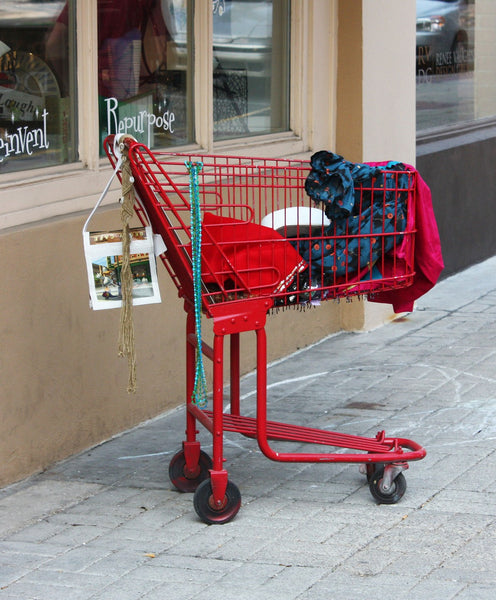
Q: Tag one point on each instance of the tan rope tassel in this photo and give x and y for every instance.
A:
(126, 330)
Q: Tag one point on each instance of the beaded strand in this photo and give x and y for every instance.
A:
(199, 395)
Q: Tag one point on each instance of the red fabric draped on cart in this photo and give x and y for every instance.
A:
(428, 259)
(246, 257)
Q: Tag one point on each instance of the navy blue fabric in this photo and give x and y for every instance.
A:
(332, 181)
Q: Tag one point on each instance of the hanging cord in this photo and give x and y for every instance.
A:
(199, 395)
(126, 330)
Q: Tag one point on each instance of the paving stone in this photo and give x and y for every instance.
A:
(42, 497)
(46, 585)
(357, 587)
(76, 559)
(476, 591)
(431, 589)
(126, 588)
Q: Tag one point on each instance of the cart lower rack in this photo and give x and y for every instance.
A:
(264, 243)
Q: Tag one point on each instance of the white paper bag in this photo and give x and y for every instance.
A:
(103, 253)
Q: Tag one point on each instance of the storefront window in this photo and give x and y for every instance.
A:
(250, 67)
(456, 62)
(37, 117)
(144, 71)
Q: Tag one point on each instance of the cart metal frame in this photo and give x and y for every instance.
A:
(247, 188)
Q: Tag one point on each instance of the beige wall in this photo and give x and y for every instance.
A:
(349, 125)
(388, 82)
(485, 63)
(376, 80)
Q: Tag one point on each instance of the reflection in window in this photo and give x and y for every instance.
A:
(456, 62)
(142, 70)
(250, 67)
(36, 85)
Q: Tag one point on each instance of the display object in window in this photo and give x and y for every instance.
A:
(36, 114)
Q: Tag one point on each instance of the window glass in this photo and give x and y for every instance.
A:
(456, 62)
(143, 70)
(250, 67)
(37, 122)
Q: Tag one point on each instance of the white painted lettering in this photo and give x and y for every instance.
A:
(112, 105)
(143, 122)
(45, 136)
(24, 140)
(29, 141)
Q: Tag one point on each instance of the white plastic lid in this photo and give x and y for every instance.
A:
(296, 220)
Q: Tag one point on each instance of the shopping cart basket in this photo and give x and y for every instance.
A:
(296, 257)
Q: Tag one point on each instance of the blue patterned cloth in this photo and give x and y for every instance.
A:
(366, 206)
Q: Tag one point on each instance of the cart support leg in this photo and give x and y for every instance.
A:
(262, 395)
(192, 458)
(218, 475)
(218, 480)
(191, 430)
(218, 399)
(235, 374)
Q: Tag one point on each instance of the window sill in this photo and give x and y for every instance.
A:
(444, 138)
(266, 146)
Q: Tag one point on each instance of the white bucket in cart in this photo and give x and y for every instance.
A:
(297, 221)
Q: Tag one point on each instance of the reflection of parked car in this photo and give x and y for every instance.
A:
(445, 35)
(242, 35)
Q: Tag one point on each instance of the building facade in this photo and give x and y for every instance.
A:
(280, 78)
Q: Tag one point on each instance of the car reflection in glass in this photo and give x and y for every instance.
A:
(242, 35)
(445, 36)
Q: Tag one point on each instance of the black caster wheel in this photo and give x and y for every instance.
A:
(391, 495)
(188, 481)
(203, 501)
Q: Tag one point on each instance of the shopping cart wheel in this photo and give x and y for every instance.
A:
(388, 496)
(206, 509)
(188, 481)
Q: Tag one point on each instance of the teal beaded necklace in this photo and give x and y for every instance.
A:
(199, 395)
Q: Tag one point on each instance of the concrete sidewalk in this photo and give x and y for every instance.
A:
(107, 524)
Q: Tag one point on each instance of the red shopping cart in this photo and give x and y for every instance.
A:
(262, 243)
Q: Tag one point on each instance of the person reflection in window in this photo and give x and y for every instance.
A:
(132, 43)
